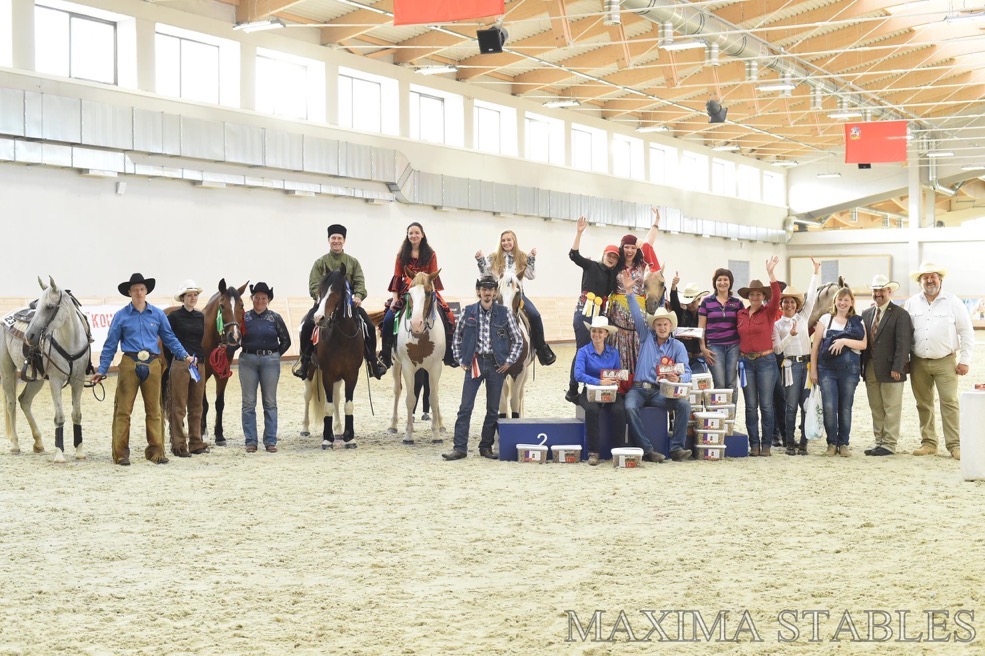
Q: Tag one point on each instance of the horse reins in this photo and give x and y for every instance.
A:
(49, 339)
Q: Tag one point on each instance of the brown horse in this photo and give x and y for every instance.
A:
(220, 343)
(339, 352)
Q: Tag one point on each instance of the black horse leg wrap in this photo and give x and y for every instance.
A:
(77, 434)
(60, 438)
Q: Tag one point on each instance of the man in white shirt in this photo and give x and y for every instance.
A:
(884, 363)
(943, 339)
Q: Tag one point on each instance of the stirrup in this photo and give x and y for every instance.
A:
(25, 375)
(300, 368)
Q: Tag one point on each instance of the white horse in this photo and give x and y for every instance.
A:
(824, 300)
(511, 402)
(420, 345)
(60, 332)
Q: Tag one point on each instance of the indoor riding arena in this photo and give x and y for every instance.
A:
(207, 147)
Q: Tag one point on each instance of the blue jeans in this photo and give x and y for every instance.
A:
(494, 389)
(723, 372)
(262, 370)
(638, 398)
(698, 365)
(761, 376)
(837, 396)
(794, 396)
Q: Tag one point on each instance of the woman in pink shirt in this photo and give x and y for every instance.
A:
(757, 364)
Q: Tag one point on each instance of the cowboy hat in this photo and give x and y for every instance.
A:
(690, 293)
(662, 313)
(603, 323)
(136, 279)
(487, 282)
(791, 292)
(756, 286)
(262, 288)
(928, 267)
(185, 287)
(880, 281)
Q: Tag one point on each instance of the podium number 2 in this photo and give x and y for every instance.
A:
(543, 438)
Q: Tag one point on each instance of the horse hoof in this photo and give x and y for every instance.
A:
(425, 417)
(351, 445)
(437, 441)
(410, 442)
(15, 451)
(59, 457)
(305, 434)
(392, 431)
(220, 441)
(39, 449)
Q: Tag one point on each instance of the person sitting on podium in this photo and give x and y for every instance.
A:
(591, 361)
(662, 358)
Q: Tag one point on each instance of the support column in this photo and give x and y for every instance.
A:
(247, 76)
(22, 39)
(146, 55)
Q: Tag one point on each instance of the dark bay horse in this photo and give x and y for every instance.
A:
(223, 320)
(339, 352)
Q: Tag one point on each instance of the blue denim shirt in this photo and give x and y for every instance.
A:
(651, 353)
(589, 364)
(139, 331)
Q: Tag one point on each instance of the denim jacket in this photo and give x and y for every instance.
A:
(500, 334)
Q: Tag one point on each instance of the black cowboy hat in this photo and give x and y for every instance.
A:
(336, 229)
(486, 281)
(136, 279)
(262, 288)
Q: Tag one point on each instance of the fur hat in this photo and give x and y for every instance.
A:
(928, 267)
(336, 229)
(262, 288)
(880, 281)
(601, 322)
(185, 287)
(136, 279)
(663, 313)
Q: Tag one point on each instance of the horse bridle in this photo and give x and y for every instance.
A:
(228, 333)
(429, 300)
(48, 338)
(331, 321)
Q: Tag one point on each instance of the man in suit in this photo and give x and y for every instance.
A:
(884, 363)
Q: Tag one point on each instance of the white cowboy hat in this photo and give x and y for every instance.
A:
(185, 287)
(928, 267)
(690, 293)
(603, 323)
(880, 281)
(791, 292)
(662, 313)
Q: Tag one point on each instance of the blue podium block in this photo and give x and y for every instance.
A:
(549, 432)
(736, 445)
(654, 425)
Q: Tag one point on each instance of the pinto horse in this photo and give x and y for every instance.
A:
(339, 352)
(60, 333)
(511, 402)
(420, 346)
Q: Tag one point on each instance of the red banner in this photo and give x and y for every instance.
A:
(415, 12)
(875, 142)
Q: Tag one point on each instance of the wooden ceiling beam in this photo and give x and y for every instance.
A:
(560, 26)
(250, 10)
(354, 24)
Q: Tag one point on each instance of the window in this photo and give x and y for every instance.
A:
(663, 164)
(73, 44)
(627, 157)
(436, 116)
(293, 87)
(544, 139)
(494, 128)
(748, 182)
(774, 191)
(367, 102)
(588, 151)
(197, 67)
(722, 177)
(694, 171)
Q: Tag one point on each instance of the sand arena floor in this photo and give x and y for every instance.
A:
(387, 549)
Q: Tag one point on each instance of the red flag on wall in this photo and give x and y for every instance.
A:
(875, 142)
(414, 12)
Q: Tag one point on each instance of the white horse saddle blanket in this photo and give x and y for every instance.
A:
(16, 322)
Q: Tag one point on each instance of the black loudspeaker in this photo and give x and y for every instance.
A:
(491, 40)
(865, 166)
(716, 113)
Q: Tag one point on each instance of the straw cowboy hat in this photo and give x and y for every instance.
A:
(136, 279)
(603, 323)
(791, 292)
(662, 313)
(756, 286)
(262, 288)
(880, 281)
(185, 287)
(928, 267)
(690, 293)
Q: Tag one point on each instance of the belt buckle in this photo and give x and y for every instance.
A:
(143, 355)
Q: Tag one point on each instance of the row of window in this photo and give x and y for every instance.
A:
(204, 68)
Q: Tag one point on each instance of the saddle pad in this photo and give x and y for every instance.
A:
(16, 322)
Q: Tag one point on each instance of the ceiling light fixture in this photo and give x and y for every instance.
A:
(643, 129)
(783, 84)
(437, 69)
(674, 46)
(259, 26)
(939, 153)
(973, 167)
(829, 175)
(785, 163)
(966, 16)
(561, 102)
(726, 148)
(843, 114)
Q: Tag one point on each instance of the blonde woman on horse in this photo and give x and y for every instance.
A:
(415, 256)
(509, 257)
(639, 261)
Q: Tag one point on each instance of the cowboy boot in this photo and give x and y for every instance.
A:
(300, 368)
(447, 321)
(386, 348)
(544, 353)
